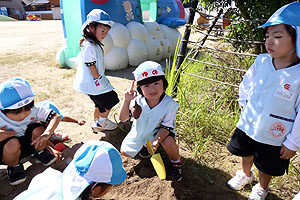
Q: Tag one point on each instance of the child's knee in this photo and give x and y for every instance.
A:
(12, 146)
(38, 131)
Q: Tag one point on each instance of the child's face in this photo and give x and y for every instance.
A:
(101, 32)
(153, 91)
(278, 41)
(18, 117)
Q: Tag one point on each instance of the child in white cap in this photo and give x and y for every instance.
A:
(57, 137)
(154, 115)
(267, 133)
(21, 133)
(90, 78)
(96, 167)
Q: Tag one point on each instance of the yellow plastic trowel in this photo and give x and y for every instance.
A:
(157, 162)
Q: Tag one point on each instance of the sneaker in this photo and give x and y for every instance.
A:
(176, 171)
(297, 197)
(240, 180)
(258, 193)
(144, 153)
(16, 174)
(56, 137)
(45, 157)
(106, 125)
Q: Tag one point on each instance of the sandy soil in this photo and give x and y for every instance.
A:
(28, 50)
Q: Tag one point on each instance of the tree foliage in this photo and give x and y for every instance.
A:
(248, 15)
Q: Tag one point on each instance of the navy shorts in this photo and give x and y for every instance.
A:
(25, 141)
(105, 101)
(266, 157)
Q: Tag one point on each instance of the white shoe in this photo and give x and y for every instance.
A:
(240, 180)
(258, 193)
(297, 197)
(105, 125)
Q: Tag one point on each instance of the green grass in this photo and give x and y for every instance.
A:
(6, 18)
(208, 115)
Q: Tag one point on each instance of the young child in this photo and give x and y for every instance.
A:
(96, 167)
(155, 116)
(267, 133)
(20, 132)
(56, 137)
(90, 78)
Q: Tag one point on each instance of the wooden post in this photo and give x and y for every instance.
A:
(184, 42)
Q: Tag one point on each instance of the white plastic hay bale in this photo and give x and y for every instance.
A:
(154, 29)
(137, 52)
(108, 44)
(138, 31)
(155, 50)
(116, 59)
(172, 34)
(167, 47)
(120, 35)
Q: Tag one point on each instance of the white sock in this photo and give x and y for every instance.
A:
(176, 161)
(100, 120)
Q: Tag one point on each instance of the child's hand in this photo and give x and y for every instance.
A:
(130, 94)
(40, 142)
(286, 153)
(56, 153)
(155, 145)
(97, 81)
(6, 134)
(81, 122)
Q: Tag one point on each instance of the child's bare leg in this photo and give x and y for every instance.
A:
(38, 131)
(171, 148)
(105, 114)
(11, 152)
(264, 179)
(96, 113)
(247, 163)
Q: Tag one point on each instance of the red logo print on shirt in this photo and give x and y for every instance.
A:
(32, 118)
(145, 74)
(287, 86)
(154, 72)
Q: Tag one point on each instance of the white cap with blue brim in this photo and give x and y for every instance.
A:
(15, 93)
(94, 161)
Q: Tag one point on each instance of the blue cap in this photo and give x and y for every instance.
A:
(15, 93)
(288, 14)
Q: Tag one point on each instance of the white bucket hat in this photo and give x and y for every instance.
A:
(288, 14)
(94, 161)
(97, 15)
(148, 69)
(15, 93)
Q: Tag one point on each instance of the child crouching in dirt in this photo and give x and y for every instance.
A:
(56, 137)
(154, 115)
(96, 167)
(21, 133)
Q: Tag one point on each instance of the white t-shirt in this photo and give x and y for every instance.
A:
(84, 82)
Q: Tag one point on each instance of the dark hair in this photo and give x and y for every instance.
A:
(19, 110)
(151, 80)
(85, 195)
(88, 35)
(289, 29)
